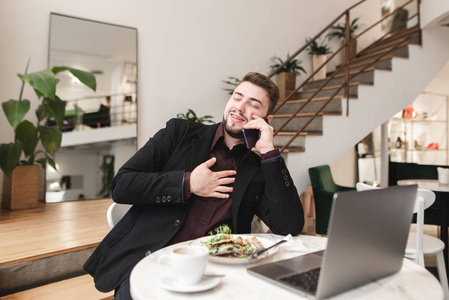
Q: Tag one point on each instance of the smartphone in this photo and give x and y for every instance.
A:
(252, 136)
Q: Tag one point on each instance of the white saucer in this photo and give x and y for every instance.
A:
(172, 284)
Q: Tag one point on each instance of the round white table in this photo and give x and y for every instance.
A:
(435, 186)
(411, 282)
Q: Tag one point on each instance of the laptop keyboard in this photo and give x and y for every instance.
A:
(307, 281)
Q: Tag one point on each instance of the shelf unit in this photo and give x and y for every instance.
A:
(411, 137)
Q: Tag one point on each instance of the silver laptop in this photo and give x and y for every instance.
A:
(367, 237)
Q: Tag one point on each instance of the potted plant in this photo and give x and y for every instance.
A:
(286, 76)
(339, 31)
(319, 54)
(33, 143)
(191, 116)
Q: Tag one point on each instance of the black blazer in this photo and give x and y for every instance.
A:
(152, 180)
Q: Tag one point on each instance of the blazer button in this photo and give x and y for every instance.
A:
(177, 223)
(168, 198)
(147, 253)
(285, 177)
(158, 200)
(164, 199)
(284, 171)
(287, 183)
(257, 198)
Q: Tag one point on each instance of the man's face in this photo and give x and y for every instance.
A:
(248, 99)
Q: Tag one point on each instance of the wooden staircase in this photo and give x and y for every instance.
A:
(377, 56)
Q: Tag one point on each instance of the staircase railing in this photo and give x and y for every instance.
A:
(345, 66)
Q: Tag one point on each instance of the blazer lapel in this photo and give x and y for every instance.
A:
(201, 145)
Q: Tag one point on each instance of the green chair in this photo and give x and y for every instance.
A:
(324, 187)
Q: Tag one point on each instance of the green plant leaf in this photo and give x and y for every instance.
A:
(42, 112)
(56, 109)
(292, 66)
(10, 156)
(51, 138)
(15, 111)
(83, 76)
(42, 162)
(43, 82)
(50, 161)
(191, 115)
(26, 133)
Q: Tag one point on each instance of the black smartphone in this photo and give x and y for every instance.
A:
(252, 136)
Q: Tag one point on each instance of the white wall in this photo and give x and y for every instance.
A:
(185, 48)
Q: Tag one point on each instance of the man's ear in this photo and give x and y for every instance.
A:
(270, 118)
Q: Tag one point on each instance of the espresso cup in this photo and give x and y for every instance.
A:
(187, 263)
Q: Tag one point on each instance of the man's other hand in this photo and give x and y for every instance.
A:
(206, 183)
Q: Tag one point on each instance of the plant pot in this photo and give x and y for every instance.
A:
(317, 61)
(286, 83)
(21, 188)
(352, 50)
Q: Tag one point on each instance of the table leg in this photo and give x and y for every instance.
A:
(443, 227)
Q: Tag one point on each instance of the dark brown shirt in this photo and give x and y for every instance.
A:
(208, 213)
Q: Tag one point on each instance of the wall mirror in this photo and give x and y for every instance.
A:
(100, 128)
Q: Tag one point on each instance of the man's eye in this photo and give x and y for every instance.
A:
(255, 105)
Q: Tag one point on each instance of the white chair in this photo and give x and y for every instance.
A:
(419, 243)
(116, 212)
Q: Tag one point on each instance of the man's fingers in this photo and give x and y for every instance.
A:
(220, 195)
(227, 180)
(223, 174)
(224, 189)
(210, 162)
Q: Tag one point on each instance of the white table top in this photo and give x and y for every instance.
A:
(430, 184)
(412, 282)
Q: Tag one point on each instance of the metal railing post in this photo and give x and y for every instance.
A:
(346, 62)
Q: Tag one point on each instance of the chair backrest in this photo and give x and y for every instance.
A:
(426, 196)
(323, 187)
(321, 177)
(424, 199)
(116, 212)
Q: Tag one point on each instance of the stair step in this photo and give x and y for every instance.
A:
(366, 77)
(298, 122)
(398, 52)
(334, 106)
(387, 45)
(37, 249)
(80, 287)
(396, 36)
(326, 92)
(384, 63)
(298, 144)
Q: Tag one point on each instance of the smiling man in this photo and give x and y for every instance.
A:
(191, 178)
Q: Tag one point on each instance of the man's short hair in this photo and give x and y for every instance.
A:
(267, 84)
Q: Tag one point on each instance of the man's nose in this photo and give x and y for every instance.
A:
(241, 106)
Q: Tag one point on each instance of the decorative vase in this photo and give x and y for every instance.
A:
(286, 83)
(21, 188)
(317, 61)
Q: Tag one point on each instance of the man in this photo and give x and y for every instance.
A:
(191, 178)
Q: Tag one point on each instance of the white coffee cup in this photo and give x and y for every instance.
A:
(443, 175)
(187, 263)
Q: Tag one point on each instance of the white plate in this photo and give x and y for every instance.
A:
(241, 260)
(172, 284)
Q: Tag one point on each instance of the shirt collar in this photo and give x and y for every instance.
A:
(220, 134)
